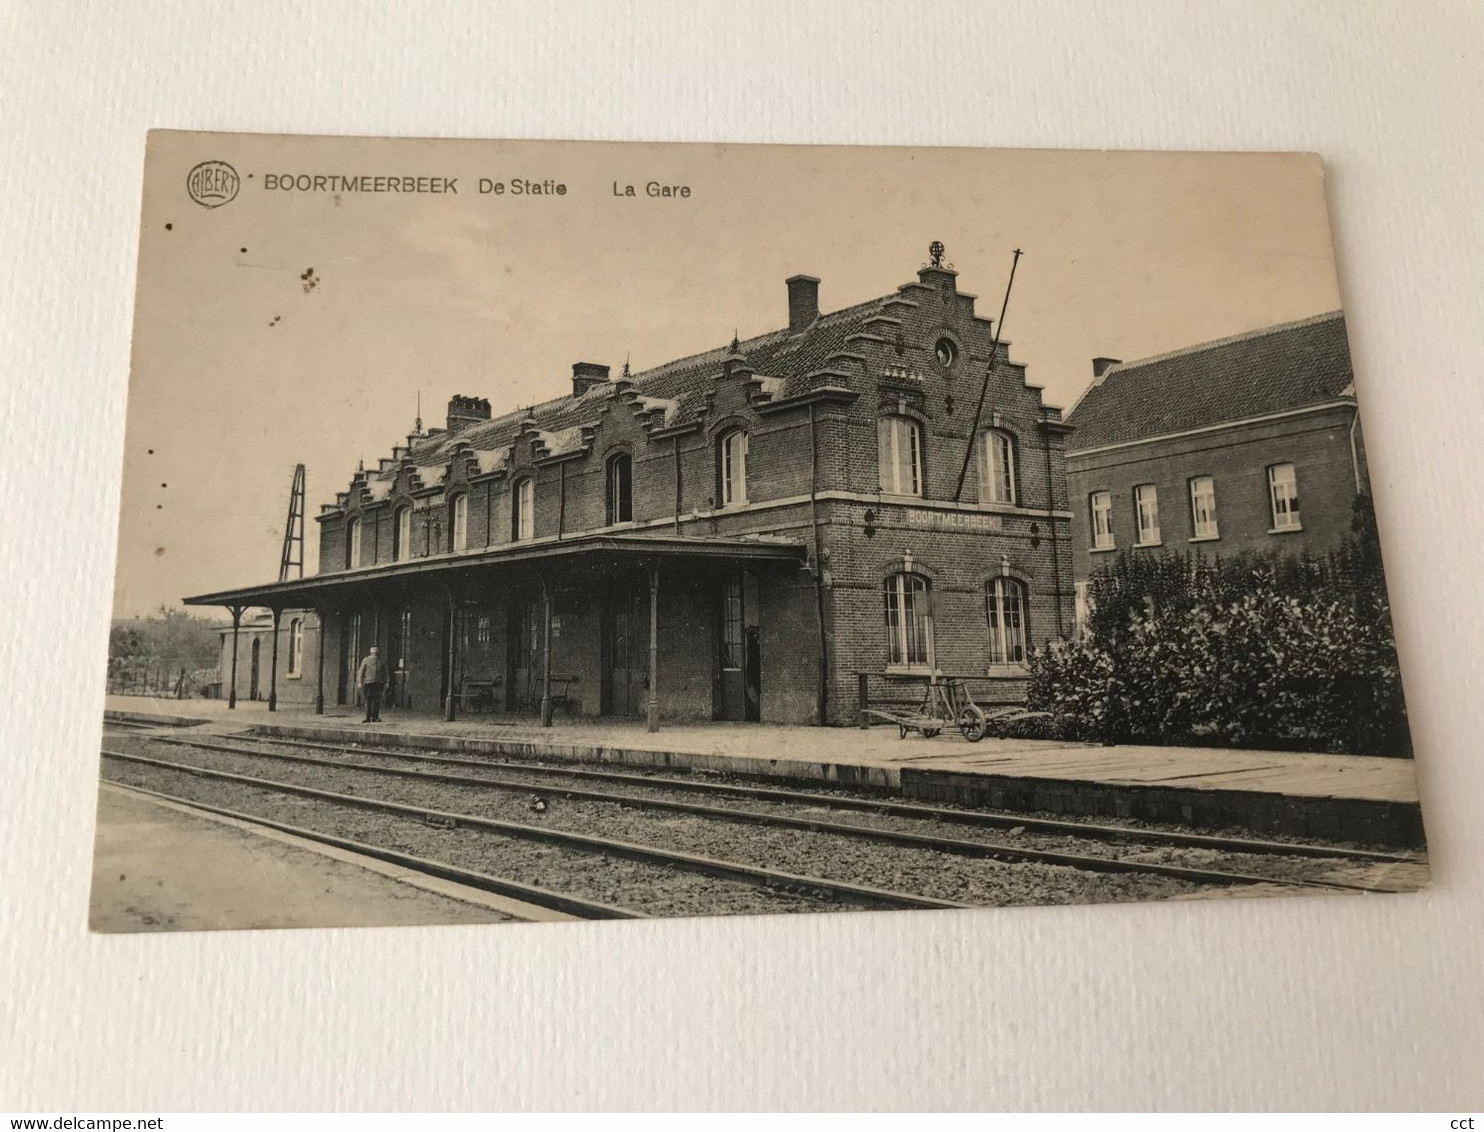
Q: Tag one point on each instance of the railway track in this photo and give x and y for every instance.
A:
(502, 886)
(818, 888)
(875, 835)
(985, 819)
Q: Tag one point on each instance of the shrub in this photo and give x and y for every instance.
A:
(1256, 650)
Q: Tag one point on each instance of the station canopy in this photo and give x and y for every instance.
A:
(587, 552)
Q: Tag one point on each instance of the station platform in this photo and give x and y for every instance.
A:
(1334, 797)
(161, 866)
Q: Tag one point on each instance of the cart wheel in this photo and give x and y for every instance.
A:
(931, 732)
(971, 722)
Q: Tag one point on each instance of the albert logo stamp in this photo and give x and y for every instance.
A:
(212, 183)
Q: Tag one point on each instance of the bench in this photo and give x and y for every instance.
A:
(561, 693)
(477, 691)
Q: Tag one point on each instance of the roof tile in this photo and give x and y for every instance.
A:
(1264, 371)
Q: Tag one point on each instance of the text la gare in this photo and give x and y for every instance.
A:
(652, 189)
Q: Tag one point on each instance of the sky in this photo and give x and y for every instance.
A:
(246, 363)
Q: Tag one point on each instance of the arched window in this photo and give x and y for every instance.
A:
(731, 467)
(402, 534)
(620, 488)
(522, 509)
(296, 646)
(899, 449)
(1005, 599)
(352, 544)
(458, 523)
(997, 471)
(909, 620)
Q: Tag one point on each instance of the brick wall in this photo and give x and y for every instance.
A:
(1318, 444)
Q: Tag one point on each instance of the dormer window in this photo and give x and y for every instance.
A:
(458, 523)
(523, 509)
(352, 544)
(620, 489)
(731, 467)
(402, 534)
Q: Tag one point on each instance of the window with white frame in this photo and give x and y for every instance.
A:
(353, 544)
(899, 449)
(1203, 507)
(909, 621)
(1283, 491)
(458, 523)
(402, 534)
(998, 472)
(1005, 599)
(523, 509)
(731, 467)
(1101, 504)
(1146, 512)
(296, 646)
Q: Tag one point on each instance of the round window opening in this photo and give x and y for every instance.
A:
(947, 352)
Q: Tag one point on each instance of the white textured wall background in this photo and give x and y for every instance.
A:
(1295, 1003)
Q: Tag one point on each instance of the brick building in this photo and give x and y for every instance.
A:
(1249, 442)
(732, 535)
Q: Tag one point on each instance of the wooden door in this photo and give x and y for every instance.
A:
(523, 631)
(625, 649)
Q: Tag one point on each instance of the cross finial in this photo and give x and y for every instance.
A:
(935, 253)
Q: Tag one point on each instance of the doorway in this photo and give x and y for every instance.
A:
(625, 658)
(739, 649)
(523, 629)
(252, 680)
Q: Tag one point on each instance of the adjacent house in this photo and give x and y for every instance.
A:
(1249, 442)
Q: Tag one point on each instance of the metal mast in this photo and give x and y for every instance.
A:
(293, 531)
(994, 351)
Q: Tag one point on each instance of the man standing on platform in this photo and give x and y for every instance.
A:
(373, 683)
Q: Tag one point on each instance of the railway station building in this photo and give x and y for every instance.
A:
(1247, 443)
(743, 534)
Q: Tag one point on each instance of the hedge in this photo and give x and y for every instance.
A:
(1255, 650)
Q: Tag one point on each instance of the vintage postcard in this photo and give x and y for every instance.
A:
(523, 531)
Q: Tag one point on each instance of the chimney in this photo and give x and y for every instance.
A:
(1101, 366)
(586, 375)
(803, 301)
(466, 411)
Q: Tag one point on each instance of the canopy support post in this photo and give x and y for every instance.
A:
(236, 626)
(273, 664)
(654, 646)
(450, 701)
(319, 657)
(545, 654)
